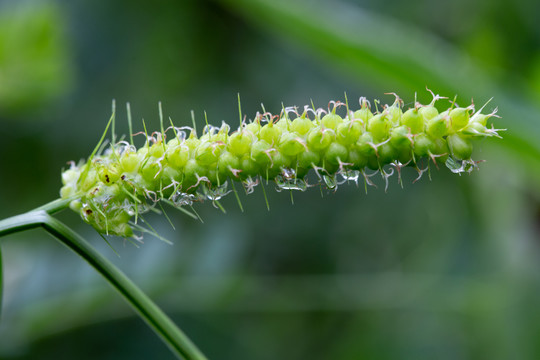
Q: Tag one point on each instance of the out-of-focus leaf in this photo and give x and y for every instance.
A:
(1, 283)
(35, 66)
(396, 57)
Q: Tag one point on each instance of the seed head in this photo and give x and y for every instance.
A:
(122, 182)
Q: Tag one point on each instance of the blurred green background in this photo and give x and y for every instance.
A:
(445, 269)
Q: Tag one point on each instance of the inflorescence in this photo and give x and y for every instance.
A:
(122, 182)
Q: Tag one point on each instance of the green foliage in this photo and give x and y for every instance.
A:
(35, 64)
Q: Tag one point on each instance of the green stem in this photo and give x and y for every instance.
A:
(55, 205)
(175, 339)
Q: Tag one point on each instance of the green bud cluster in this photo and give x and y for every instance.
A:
(123, 182)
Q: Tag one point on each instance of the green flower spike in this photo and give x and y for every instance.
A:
(122, 182)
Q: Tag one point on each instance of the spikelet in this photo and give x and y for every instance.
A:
(123, 182)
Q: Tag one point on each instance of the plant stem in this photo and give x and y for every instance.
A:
(162, 325)
(55, 205)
